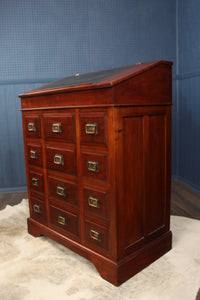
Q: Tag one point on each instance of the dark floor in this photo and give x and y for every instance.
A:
(11, 199)
(184, 201)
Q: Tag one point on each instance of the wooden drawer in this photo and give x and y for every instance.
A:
(64, 221)
(61, 159)
(63, 190)
(96, 236)
(37, 209)
(36, 181)
(32, 126)
(94, 166)
(60, 127)
(34, 154)
(93, 128)
(95, 202)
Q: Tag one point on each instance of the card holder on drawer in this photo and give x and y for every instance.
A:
(38, 210)
(36, 181)
(34, 154)
(96, 236)
(63, 190)
(93, 128)
(94, 166)
(32, 126)
(61, 159)
(67, 222)
(95, 202)
(60, 127)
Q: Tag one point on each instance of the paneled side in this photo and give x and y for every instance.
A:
(133, 177)
(155, 172)
(143, 158)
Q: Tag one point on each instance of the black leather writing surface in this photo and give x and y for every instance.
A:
(92, 77)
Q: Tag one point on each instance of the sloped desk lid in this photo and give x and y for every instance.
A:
(100, 79)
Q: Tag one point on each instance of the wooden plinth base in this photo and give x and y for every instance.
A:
(114, 272)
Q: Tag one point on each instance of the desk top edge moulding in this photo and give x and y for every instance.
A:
(98, 164)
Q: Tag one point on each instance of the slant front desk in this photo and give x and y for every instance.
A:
(98, 161)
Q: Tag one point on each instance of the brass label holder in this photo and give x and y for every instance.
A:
(62, 220)
(95, 235)
(57, 127)
(31, 127)
(93, 202)
(93, 166)
(35, 181)
(36, 208)
(91, 128)
(58, 159)
(61, 191)
(33, 154)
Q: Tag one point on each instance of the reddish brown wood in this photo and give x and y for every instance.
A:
(35, 119)
(67, 124)
(114, 272)
(39, 215)
(98, 119)
(152, 87)
(36, 175)
(57, 185)
(100, 160)
(36, 149)
(68, 155)
(117, 214)
(98, 208)
(97, 237)
(71, 225)
(126, 88)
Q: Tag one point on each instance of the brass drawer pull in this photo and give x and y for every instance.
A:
(37, 208)
(94, 202)
(35, 181)
(57, 127)
(33, 154)
(61, 191)
(93, 166)
(95, 235)
(31, 127)
(62, 220)
(91, 128)
(58, 159)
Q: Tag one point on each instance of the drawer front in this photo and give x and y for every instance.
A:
(32, 126)
(65, 221)
(63, 190)
(96, 236)
(36, 181)
(95, 202)
(34, 154)
(61, 159)
(60, 127)
(93, 128)
(37, 209)
(94, 166)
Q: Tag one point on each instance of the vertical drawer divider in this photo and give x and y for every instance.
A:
(80, 189)
(45, 172)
